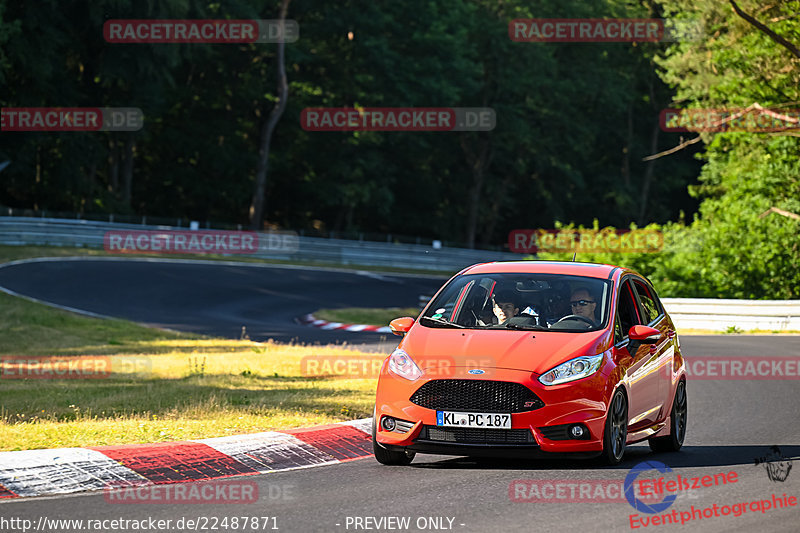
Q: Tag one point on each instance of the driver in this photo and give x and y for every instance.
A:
(583, 304)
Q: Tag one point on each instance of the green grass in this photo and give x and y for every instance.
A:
(366, 315)
(34, 329)
(13, 253)
(184, 389)
(187, 386)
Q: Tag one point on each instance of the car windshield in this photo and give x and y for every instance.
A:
(537, 302)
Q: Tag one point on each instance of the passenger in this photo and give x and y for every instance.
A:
(505, 306)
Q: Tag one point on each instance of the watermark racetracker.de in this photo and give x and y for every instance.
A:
(72, 366)
(62, 119)
(755, 119)
(743, 367)
(613, 30)
(418, 119)
(369, 366)
(531, 241)
(208, 492)
(235, 522)
(199, 242)
(581, 491)
(220, 31)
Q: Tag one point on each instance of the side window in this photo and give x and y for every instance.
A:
(650, 308)
(626, 312)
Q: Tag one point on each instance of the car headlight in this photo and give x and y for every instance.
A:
(577, 368)
(401, 364)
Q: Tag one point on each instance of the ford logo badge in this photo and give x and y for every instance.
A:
(476, 371)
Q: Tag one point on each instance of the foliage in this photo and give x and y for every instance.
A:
(574, 122)
(562, 132)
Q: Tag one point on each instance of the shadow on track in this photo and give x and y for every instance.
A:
(689, 456)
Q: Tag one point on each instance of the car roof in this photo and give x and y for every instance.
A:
(590, 270)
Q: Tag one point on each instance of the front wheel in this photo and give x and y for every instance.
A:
(677, 424)
(390, 457)
(616, 429)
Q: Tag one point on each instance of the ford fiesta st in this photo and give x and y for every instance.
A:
(533, 359)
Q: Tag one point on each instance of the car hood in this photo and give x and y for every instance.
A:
(531, 351)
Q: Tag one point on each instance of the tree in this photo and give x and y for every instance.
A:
(267, 128)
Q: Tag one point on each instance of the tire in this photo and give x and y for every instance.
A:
(677, 424)
(616, 429)
(390, 457)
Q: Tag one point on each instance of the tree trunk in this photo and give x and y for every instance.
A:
(478, 164)
(650, 168)
(91, 178)
(127, 170)
(113, 165)
(648, 176)
(626, 151)
(498, 201)
(257, 205)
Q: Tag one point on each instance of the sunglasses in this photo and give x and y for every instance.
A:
(582, 303)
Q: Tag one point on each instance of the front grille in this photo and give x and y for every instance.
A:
(477, 435)
(556, 432)
(403, 426)
(479, 395)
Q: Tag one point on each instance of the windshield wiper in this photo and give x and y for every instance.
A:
(442, 322)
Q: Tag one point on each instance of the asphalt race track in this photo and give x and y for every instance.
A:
(731, 422)
(213, 298)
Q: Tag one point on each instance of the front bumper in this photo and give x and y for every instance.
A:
(428, 442)
(580, 402)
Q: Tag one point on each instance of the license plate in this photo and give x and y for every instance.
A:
(473, 420)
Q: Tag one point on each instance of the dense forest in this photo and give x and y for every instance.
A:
(578, 138)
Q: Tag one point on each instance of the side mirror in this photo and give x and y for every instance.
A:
(400, 326)
(644, 334)
(639, 335)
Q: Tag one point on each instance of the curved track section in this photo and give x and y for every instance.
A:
(214, 298)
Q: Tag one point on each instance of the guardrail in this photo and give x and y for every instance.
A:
(721, 314)
(271, 245)
(694, 313)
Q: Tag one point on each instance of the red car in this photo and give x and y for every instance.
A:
(532, 359)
